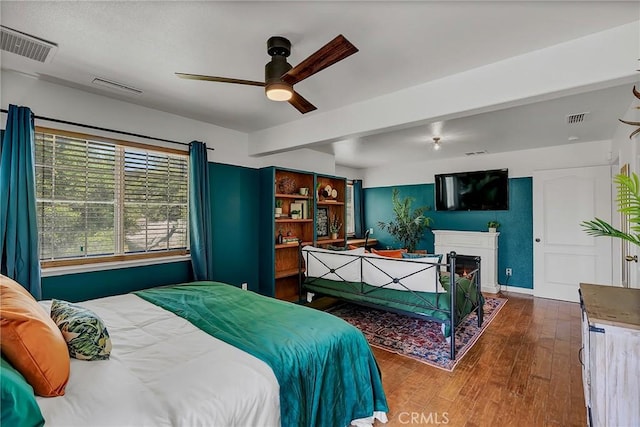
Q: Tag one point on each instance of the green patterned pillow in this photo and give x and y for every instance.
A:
(86, 335)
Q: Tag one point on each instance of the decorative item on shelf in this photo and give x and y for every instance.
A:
(304, 191)
(322, 191)
(322, 222)
(289, 239)
(286, 185)
(278, 208)
(493, 226)
(334, 226)
(280, 237)
(327, 193)
(304, 204)
(296, 210)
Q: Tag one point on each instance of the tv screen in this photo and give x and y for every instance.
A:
(473, 191)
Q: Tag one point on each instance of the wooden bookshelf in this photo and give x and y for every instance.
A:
(280, 187)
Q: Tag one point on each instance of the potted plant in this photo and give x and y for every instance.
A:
(493, 226)
(408, 226)
(629, 204)
(295, 214)
(334, 226)
(278, 208)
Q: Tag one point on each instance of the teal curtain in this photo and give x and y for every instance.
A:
(18, 222)
(358, 208)
(200, 227)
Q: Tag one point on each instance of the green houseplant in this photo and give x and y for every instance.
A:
(628, 200)
(493, 226)
(407, 226)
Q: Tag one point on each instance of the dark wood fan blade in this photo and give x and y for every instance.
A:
(334, 51)
(219, 79)
(301, 104)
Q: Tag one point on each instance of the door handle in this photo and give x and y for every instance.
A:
(537, 239)
(630, 258)
(580, 356)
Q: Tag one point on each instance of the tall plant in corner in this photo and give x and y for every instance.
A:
(628, 200)
(407, 226)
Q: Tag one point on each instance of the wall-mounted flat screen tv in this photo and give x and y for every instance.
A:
(473, 191)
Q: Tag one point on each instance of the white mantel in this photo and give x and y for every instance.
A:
(477, 243)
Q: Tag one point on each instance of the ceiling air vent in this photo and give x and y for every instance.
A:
(26, 45)
(475, 153)
(575, 118)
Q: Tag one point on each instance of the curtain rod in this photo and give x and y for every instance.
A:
(107, 130)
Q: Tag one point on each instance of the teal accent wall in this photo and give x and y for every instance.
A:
(266, 231)
(515, 243)
(235, 198)
(96, 284)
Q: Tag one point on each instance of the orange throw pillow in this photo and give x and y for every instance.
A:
(390, 253)
(31, 341)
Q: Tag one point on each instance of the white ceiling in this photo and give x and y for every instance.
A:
(402, 44)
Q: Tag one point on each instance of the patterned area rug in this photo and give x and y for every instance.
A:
(418, 339)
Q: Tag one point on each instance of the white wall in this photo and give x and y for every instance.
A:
(349, 173)
(519, 163)
(627, 151)
(303, 159)
(589, 62)
(61, 102)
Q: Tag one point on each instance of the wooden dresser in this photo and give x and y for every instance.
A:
(610, 354)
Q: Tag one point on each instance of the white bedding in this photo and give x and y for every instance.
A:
(163, 371)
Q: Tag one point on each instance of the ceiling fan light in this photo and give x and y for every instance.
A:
(279, 92)
(436, 143)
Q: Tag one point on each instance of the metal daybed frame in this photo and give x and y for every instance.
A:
(367, 296)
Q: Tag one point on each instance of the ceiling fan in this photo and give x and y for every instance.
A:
(279, 76)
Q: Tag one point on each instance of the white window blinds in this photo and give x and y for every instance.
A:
(101, 199)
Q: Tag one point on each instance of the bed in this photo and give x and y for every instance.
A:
(208, 353)
(419, 286)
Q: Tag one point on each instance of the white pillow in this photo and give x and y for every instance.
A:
(411, 273)
(320, 262)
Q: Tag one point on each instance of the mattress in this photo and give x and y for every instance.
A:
(163, 371)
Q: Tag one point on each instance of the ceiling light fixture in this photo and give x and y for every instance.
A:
(436, 143)
(279, 91)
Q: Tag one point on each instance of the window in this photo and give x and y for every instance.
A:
(105, 200)
(351, 226)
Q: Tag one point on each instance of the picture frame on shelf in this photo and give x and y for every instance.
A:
(322, 223)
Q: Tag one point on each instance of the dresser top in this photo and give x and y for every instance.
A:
(611, 305)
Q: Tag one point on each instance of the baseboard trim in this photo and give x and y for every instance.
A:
(516, 289)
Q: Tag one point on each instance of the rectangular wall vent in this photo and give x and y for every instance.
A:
(26, 45)
(475, 153)
(576, 118)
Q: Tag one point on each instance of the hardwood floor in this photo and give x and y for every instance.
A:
(523, 371)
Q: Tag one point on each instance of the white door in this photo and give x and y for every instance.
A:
(563, 254)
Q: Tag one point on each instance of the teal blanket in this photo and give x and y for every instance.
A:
(324, 366)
